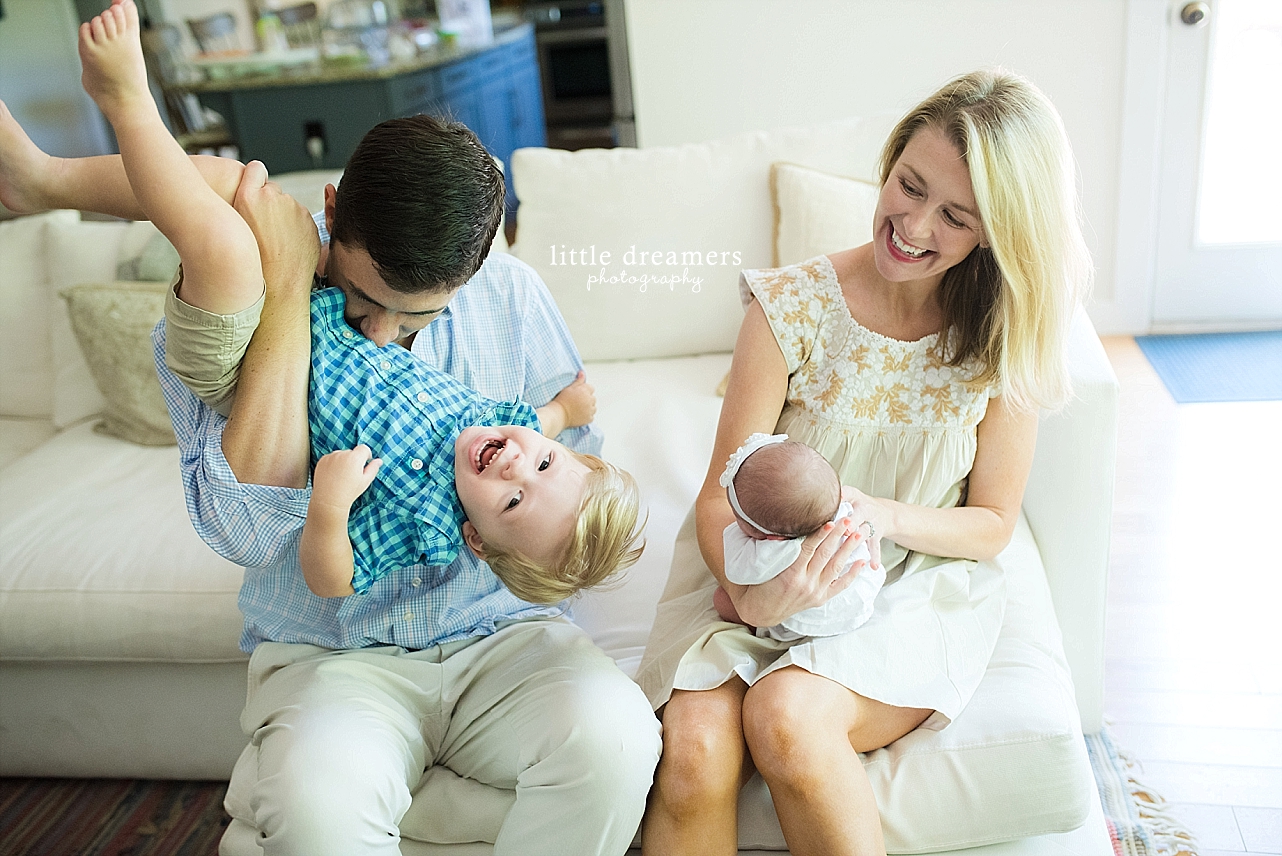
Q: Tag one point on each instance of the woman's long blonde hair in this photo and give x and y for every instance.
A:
(1009, 305)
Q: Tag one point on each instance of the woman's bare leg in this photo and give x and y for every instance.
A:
(693, 806)
(805, 733)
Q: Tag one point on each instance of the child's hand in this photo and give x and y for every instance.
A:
(343, 475)
(578, 400)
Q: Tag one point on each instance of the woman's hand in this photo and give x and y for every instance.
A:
(872, 516)
(818, 575)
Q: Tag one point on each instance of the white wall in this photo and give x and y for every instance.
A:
(40, 78)
(706, 68)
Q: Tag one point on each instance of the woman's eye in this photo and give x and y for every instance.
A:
(909, 189)
(953, 221)
(545, 463)
(513, 502)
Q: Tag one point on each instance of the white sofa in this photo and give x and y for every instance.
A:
(118, 628)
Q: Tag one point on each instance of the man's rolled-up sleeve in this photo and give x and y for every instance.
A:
(552, 360)
(250, 525)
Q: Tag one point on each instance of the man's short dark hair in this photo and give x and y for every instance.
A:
(424, 198)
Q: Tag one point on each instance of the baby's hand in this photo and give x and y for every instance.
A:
(578, 400)
(344, 475)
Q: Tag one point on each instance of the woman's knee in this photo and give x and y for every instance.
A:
(789, 720)
(703, 748)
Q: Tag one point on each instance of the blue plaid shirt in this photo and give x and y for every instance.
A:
(409, 414)
(501, 335)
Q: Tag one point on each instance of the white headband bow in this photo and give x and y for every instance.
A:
(752, 444)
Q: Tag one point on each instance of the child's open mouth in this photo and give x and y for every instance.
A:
(488, 452)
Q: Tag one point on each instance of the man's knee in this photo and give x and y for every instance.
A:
(327, 788)
(607, 728)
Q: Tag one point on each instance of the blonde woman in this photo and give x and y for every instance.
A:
(916, 365)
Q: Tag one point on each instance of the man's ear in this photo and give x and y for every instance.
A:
(473, 540)
(331, 194)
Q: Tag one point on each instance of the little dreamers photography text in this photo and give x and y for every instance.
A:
(642, 269)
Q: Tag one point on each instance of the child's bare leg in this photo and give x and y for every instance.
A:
(31, 180)
(222, 272)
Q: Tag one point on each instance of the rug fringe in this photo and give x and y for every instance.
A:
(1169, 836)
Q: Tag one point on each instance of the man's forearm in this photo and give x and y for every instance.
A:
(266, 440)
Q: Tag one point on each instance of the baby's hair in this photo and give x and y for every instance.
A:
(788, 488)
(604, 541)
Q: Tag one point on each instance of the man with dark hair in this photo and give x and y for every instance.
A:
(500, 718)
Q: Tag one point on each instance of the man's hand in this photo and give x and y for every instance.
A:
(266, 439)
(342, 476)
(578, 400)
(573, 406)
(287, 237)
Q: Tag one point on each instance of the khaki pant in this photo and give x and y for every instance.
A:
(205, 350)
(530, 739)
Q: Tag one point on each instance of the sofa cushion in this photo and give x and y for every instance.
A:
(817, 213)
(113, 324)
(21, 434)
(82, 252)
(704, 208)
(101, 563)
(26, 352)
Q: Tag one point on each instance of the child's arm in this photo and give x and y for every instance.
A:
(573, 406)
(325, 551)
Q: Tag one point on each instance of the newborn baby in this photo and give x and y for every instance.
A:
(781, 491)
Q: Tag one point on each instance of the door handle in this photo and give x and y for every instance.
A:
(1194, 14)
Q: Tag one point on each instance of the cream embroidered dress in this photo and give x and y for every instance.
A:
(895, 422)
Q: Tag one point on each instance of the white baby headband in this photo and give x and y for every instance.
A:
(752, 444)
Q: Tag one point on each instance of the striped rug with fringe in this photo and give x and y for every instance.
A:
(110, 817)
(1139, 820)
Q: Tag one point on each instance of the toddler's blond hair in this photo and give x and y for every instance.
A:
(603, 542)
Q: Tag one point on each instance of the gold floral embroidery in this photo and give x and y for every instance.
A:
(892, 364)
(828, 398)
(852, 379)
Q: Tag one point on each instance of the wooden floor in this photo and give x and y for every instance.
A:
(1194, 650)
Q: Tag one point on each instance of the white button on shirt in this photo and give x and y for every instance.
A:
(416, 464)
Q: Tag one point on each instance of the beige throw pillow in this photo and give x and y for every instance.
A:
(113, 324)
(817, 213)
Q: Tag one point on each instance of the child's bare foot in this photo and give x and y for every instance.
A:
(115, 74)
(22, 167)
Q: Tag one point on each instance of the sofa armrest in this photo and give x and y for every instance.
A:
(1069, 506)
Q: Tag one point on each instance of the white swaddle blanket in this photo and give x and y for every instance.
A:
(749, 561)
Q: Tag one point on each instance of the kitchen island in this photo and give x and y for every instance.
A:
(312, 117)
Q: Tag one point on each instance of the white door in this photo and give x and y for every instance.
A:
(1219, 247)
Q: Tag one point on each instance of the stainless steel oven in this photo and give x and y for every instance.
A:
(587, 87)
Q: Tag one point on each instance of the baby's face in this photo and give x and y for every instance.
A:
(519, 489)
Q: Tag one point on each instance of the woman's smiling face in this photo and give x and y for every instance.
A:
(926, 219)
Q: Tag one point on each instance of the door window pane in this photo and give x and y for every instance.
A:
(1241, 192)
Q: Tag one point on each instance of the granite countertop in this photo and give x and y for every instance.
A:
(322, 73)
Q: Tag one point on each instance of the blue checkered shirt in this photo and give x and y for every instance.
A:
(501, 335)
(409, 413)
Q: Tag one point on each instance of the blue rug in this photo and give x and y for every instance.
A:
(1218, 366)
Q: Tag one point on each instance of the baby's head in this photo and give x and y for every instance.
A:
(548, 520)
(780, 488)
